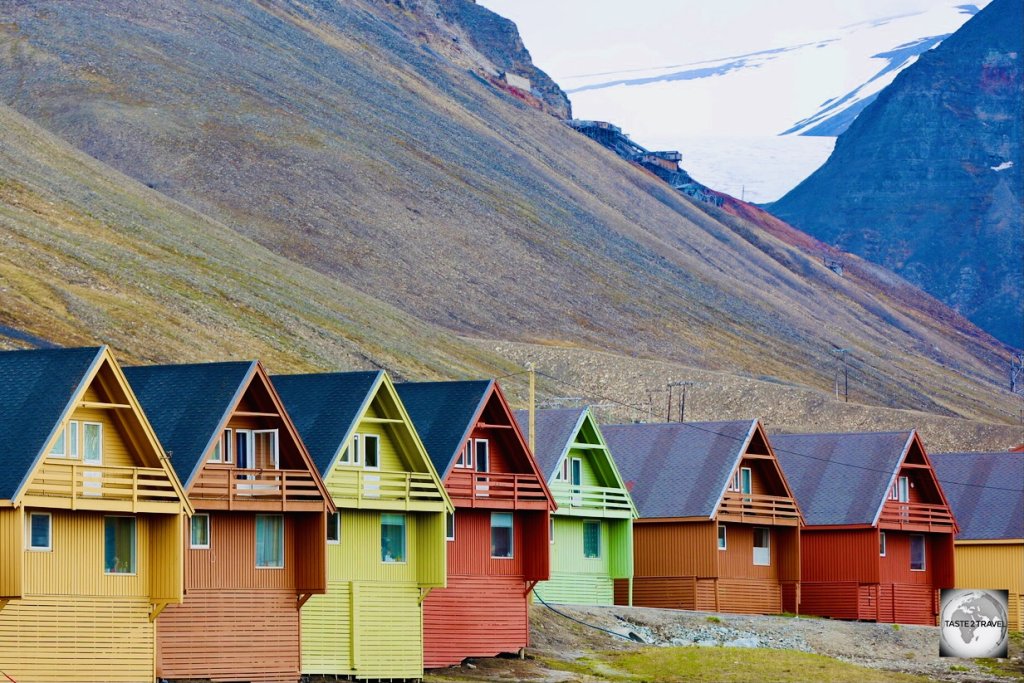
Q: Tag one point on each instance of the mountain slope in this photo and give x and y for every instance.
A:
(340, 139)
(928, 179)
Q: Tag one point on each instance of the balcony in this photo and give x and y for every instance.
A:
(591, 501)
(493, 490)
(228, 488)
(79, 486)
(756, 508)
(916, 517)
(384, 490)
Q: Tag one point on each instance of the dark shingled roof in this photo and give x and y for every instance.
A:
(840, 479)
(555, 428)
(186, 405)
(36, 388)
(985, 491)
(325, 407)
(677, 469)
(443, 414)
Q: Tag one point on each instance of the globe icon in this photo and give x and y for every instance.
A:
(974, 624)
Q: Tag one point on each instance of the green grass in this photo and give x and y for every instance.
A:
(714, 620)
(724, 665)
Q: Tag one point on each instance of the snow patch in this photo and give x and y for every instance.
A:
(1003, 166)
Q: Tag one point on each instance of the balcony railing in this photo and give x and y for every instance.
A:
(758, 508)
(915, 517)
(78, 485)
(228, 488)
(384, 489)
(496, 490)
(588, 500)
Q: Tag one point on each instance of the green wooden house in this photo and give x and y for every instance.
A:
(592, 530)
(386, 546)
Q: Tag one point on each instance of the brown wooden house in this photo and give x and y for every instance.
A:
(255, 548)
(878, 539)
(719, 529)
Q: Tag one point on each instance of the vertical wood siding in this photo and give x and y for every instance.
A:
(620, 544)
(167, 557)
(995, 567)
(248, 634)
(737, 560)
(91, 638)
(475, 616)
(230, 562)
(895, 566)
(575, 579)
(843, 555)
(836, 599)
(675, 549)
(12, 557)
(470, 553)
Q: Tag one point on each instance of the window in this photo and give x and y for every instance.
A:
(270, 541)
(371, 451)
(576, 475)
(92, 442)
(734, 483)
(482, 455)
(73, 439)
(465, 458)
(200, 532)
(762, 546)
(551, 529)
(222, 450)
(917, 562)
(256, 449)
(119, 545)
(449, 526)
(744, 480)
(591, 539)
(334, 528)
(392, 537)
(40, 526)
(66, 443)
(243, 448)
(900, 490)
(563, 471)
(501, 534)
(881, 544)
(721, 537)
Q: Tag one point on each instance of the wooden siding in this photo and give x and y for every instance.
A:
(836, 599)
(470, 552)
(666, 549)
(91, 638)
(577, 589)
(475, 616)
(899, 603)
(843, 555)
(895, 566)
(995, 566)
(230, 635)
(167, 557)
(737, 560)
(744, 596)
(12, 544)
(576, 579)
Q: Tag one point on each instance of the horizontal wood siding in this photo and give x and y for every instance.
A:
(230, 635)
(475, 616)
(837, 599)
(749, 596)
(667, 549)
(12, 555)
(46, 639)
(790, 596)
(577, 589)
(842, 555)
(995, 567)
(664, 592)
(389, 631)
(327, 631)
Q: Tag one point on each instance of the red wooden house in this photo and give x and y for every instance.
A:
(254, 549)
(878, 539)
(498, 545)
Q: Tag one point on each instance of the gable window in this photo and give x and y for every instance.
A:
(92, 442)
(119, 547)
(256, 449)
(66, 443)
(222, 451)
(551, 529)
(501, 534)
(591, 539)
(200, 536)
(334, 528)
(563, 470)
(392, 537)
(40, 531)
(371, 451)
(741, 481)
(762, 546)
(449, 526)
(465, 459)
(270, 541)
(576, 476)
(900, 490)
(917, 552)
(721, 537)
(482, 454)
(881, 544)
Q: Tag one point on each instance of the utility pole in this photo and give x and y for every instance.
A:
(846, 374)
(682, 398)
(533, 405)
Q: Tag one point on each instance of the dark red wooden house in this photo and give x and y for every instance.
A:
(878, 539)
(498, 546)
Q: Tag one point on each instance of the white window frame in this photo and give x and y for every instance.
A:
(84, 427)
(449, 517)
(767, 560)
(276, 455)
(511, 537)
(135, 546)
(734, 481)
(723, 538)
(335, 516)
(71, 446)
(405, 538)
(486, 453)
(746, 480)
(223, 448)
(191, 532)
(364, 439)
(465, 459)
(551, 529)
(284, 544)
(924, 553)
(881, 544)
(900, 491)
(563, 471)
(49, 532)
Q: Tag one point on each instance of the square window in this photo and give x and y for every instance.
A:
(119, 545)
(39, 531)
(334, 528)
(501, 534)
(917, 553)
(721, 537)
(392, 537)
(200, 536)
(270, 541)
(449, 523)
(591, 539)
(371, 451)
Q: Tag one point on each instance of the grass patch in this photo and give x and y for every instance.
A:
(896, 627)
(725, 665)
(714, 620)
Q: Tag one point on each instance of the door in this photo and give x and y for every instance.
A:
(92, 454)
(483, 462)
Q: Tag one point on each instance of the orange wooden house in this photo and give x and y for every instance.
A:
(878, 539)
(719, 529)
(255, 548)
(498, 543)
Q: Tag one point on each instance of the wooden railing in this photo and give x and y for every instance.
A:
(228, 488)
(80, 485)
(384, 489)
(498, 490)
(915, 516)
(753, 507)
(586, 499)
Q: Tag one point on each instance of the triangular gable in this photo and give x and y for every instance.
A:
(105, 386)
(914, 453)
(757, 444)
(601, 457)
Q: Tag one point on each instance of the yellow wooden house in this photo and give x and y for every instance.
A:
(986, 492)
(91, 519)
